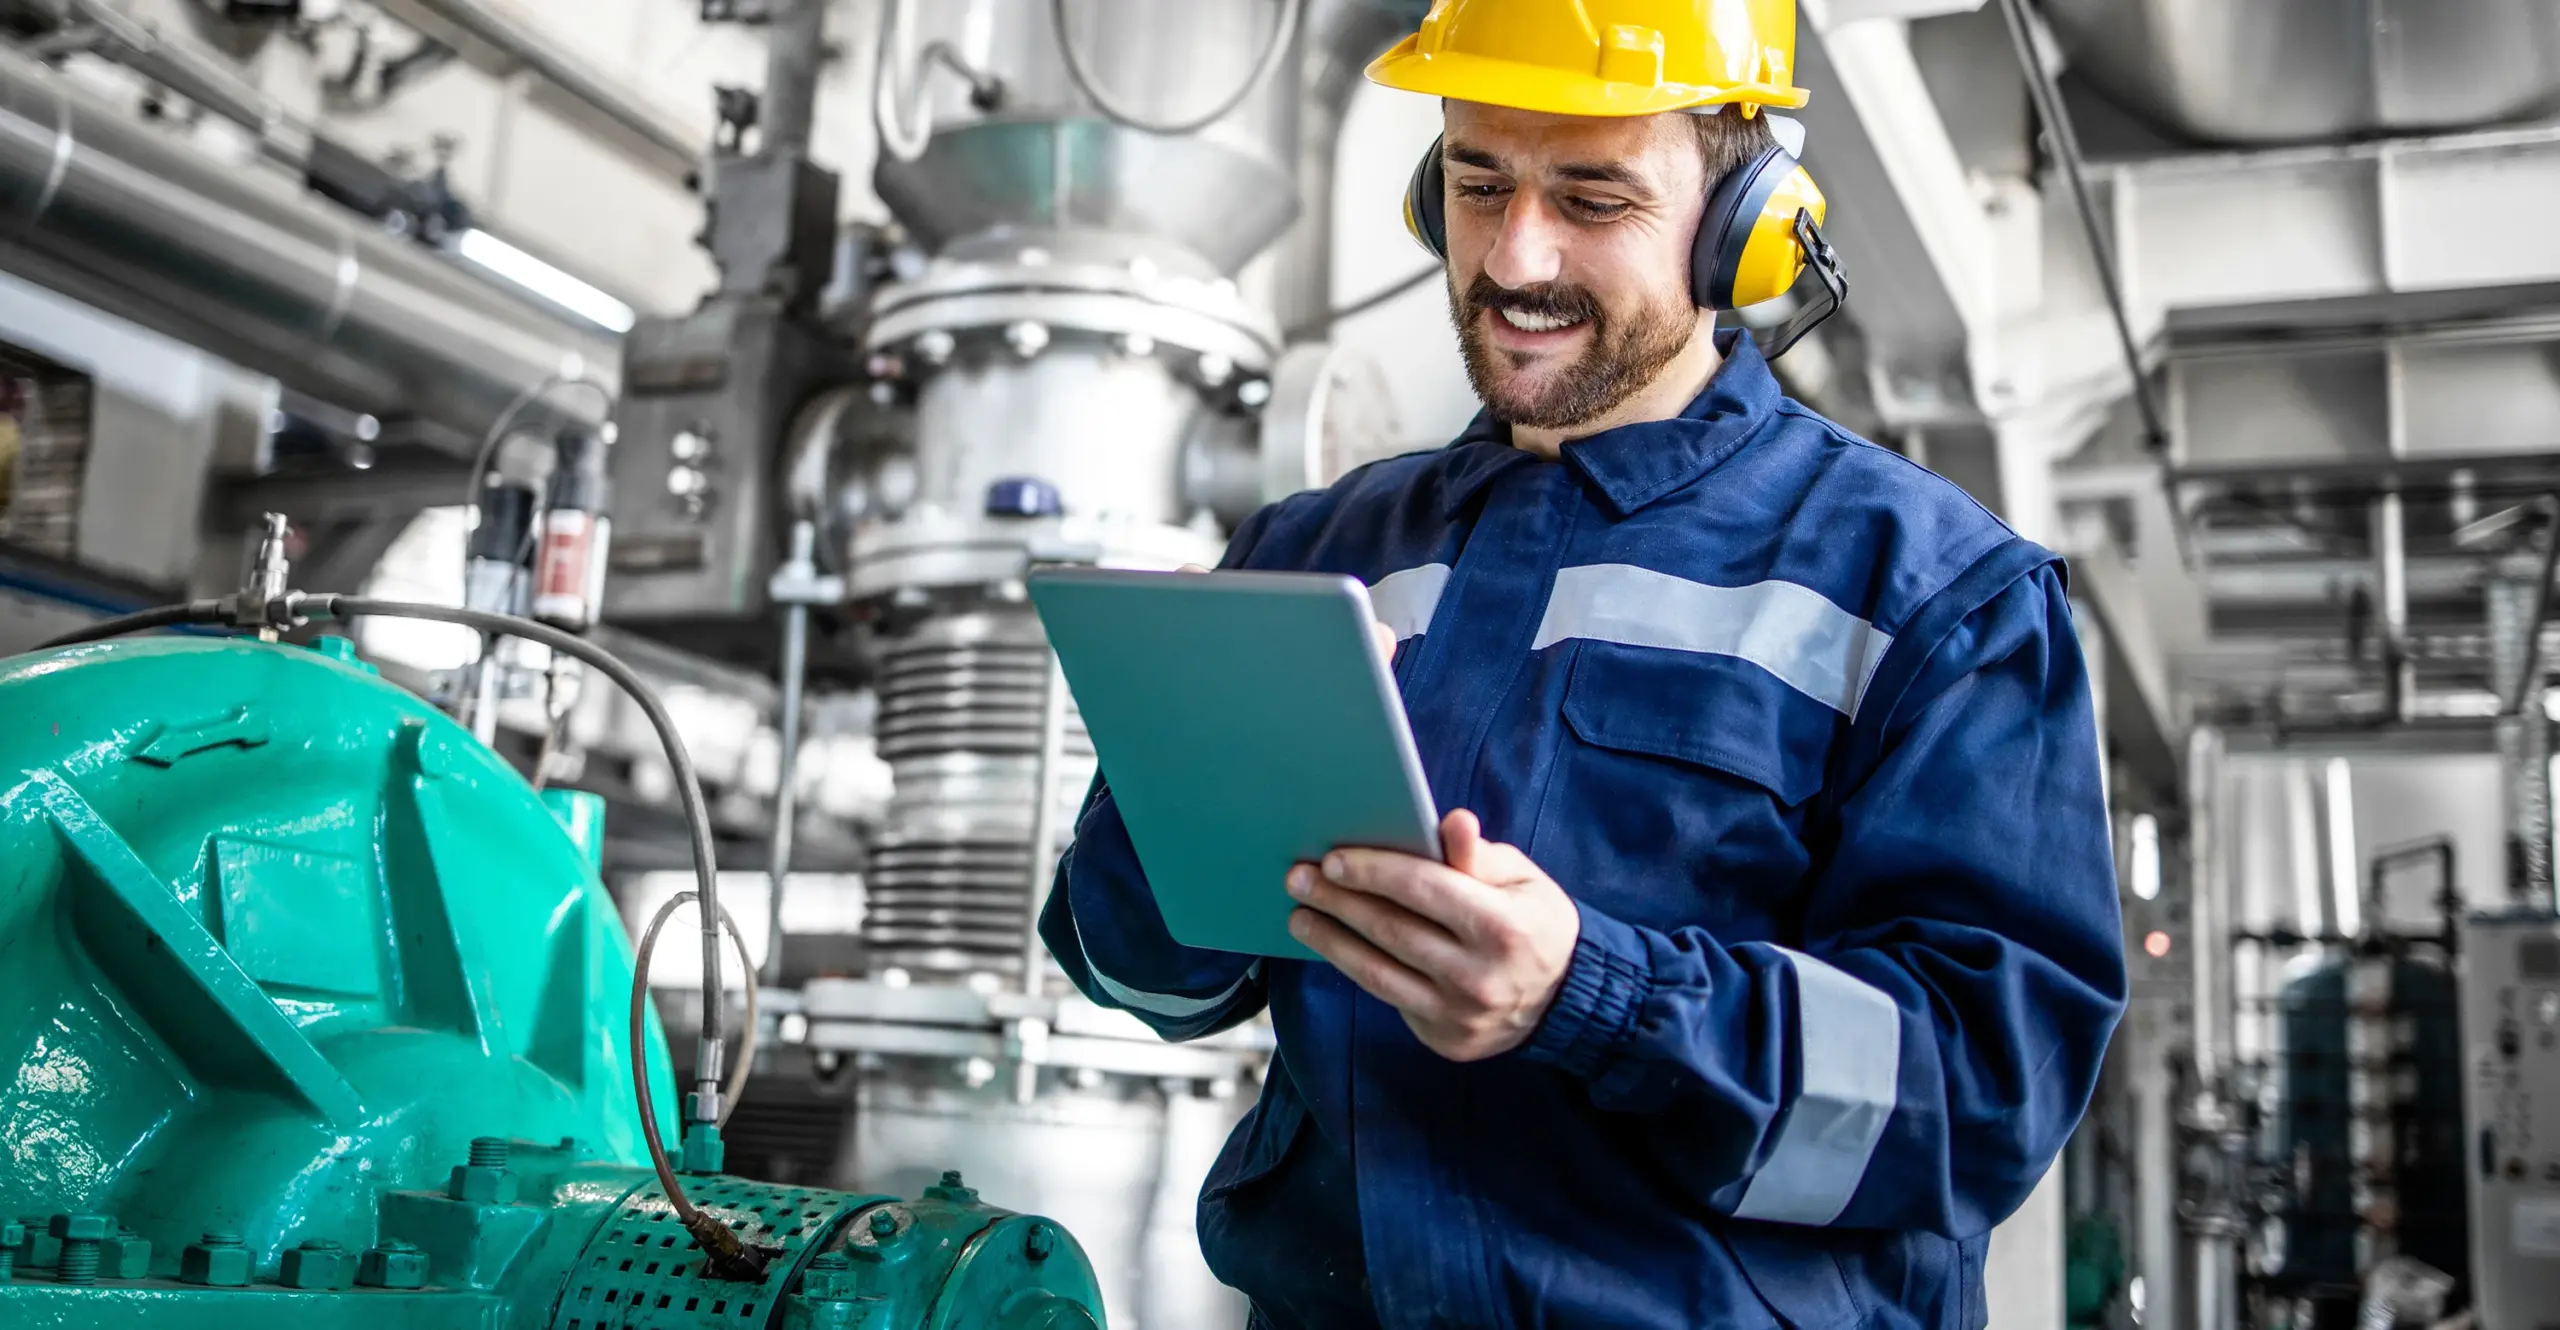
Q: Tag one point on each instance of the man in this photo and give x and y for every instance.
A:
(1775, 947)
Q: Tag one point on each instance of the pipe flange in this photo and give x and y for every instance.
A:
(929, 550)
(1030, 301)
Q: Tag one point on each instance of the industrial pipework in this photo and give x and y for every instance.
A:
(319, 1017)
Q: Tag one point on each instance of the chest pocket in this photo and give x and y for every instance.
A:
(1679, 788)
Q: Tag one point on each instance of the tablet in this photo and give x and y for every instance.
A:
(1246, 722)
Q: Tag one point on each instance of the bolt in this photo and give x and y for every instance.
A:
(317, 1263)
(830, 1262)
(1034, 257)
(883, 1224)
(12, 1234)
(127, 1255)
(217, 1260)
(1037, 1244)
(1027, 338)
(80, 1236)
(393, 1264)
(488, 1152)
(1254, 392)
(935, 345)
(1137, 345)
(1214, 368)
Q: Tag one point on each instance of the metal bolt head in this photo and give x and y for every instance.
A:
(393, 1264)
(1033, 257)
(882, 393)
(688, 446)
(1254, 392)
(935, 346)
(81, 1228)
(1027, 338)
(1214, 369)
(481, 1185)
(685, 482)
(830, 1279)
(216, 1260)
(883, 1224)
(1039, 1242)
(317, 1263)
(128, 1255)
(1137, 345)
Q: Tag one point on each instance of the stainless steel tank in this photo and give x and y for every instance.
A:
(2273, 71)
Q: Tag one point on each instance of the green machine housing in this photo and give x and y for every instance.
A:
(319, 1018)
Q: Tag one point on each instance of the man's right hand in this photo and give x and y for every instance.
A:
(1386, 636)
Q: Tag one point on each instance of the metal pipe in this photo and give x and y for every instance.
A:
(677, 146)
(795, 50)
(114, 213)
(132, 43)
(2529, 677)
(2205, 898)
(786, 792)
(2391, 572)
(2066, 149)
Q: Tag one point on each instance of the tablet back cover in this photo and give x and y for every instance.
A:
(1245, 723)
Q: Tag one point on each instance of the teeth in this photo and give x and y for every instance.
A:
(1535, 322)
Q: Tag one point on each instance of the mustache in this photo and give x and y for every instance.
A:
(1553, 300)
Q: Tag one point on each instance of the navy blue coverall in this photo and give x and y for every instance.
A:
(1807, 735)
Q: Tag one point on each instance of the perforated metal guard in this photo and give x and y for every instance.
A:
(641, 1271)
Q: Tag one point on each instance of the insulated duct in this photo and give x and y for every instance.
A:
(118, 214)
(2272, 71)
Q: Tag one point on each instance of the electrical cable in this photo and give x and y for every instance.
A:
(898, 89)
(1324, 322)
(725, 1252)
(1284, 32)
(498, 430)
(745, 1063)
(140, 621)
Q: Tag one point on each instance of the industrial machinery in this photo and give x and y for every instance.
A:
(318, 1014)
(1053, 357)
(2511, 1051)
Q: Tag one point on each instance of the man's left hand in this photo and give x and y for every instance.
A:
(1471, 951)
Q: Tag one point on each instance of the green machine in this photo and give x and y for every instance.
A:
(321, 1018)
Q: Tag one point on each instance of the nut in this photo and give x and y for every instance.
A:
(82, 1228)
(393, 1264)
(317, 1263)
(216, 1259)
(128, 1256)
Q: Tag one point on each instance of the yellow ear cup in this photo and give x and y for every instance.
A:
(1773, 256)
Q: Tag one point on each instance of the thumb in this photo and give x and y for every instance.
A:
(1191, 568)
(1386, 638)
(1461, 840)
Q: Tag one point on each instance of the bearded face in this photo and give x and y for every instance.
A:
(1553, 355)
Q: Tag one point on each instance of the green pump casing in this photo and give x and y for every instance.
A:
(292, 966)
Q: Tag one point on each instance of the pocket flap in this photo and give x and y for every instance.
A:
(1260, 1140)
(1799, 1279)
(1711, 711)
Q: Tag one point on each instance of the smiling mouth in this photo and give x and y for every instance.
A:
(1537, 323)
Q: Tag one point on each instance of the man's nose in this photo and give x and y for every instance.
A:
(1528, 248)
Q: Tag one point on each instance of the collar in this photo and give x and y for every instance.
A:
(1633, 465)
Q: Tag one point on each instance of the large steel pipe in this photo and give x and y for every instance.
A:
(222, 255)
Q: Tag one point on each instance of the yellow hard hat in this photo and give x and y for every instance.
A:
(1601, 57)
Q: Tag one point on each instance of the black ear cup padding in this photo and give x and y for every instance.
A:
(1426, 203)
(1733, 212)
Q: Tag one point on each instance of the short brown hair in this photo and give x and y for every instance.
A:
(1728, 142)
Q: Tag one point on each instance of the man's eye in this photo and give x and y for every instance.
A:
(1479, 191)
(1598, 209)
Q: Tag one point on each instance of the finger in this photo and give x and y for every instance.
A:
(1386, 637)
(1191, 568)
(1378, 974)
(1421, 945)
(1460, 835)
(1433, 890)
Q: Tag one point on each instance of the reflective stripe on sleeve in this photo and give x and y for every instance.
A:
(1849, 1044)
(1812, 645)
(1168, 1005)
(1405, 601)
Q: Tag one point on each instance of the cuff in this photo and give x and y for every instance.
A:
(1595, 1009)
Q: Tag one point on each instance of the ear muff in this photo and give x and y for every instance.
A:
(1426, 204)
(1747, 250)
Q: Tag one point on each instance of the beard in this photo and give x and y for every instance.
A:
(1626, 350)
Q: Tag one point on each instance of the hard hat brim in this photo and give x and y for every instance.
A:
(1524, 87)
